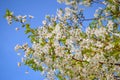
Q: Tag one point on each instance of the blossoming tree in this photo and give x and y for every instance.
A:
(62, 50)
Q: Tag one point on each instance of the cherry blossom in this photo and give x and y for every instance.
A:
(62, 50)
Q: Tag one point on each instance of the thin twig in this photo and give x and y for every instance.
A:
(95, 18)
(117, 64)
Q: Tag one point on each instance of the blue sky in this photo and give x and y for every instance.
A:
(9, 37)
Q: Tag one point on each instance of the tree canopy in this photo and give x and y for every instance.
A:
(62, 50)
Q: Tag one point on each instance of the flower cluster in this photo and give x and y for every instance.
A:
(62, 49)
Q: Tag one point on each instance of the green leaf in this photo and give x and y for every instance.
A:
(8, 13)
(92, 77)
(93, 24)
(28, 29)
(60, 77)
(40, 68)
(42, 42)
(50, 29)
(33, 38)
(27, 26)
(63, 40)
(53, 57)
(116, 55)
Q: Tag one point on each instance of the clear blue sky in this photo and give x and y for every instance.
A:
(9, 37)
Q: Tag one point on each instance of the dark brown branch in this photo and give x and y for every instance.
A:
(77, 60)
(91, 19)
(117, 64)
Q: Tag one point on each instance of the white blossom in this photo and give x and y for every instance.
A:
(16, 29)
(44, 22)
(17, 47)
(30, 16)
(23, 20)
(19, 17)
(9, 18)
(110, 25)
(19, 64)
(116, 34)
(104, 2)
(62, 47)
(109, 47)
(24, 17)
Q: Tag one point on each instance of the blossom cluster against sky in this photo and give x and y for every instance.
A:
(9, 37)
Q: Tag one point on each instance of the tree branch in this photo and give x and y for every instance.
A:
(95, 18)
(77, 60)
(117, 64)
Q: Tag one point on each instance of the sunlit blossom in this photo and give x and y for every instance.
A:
(61, 48)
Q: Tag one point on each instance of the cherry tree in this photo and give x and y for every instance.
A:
(62, 50)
